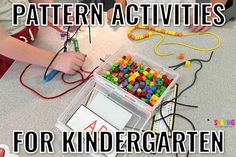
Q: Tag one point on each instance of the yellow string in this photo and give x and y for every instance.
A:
(198, 48)
(156, 51)
(158, 44)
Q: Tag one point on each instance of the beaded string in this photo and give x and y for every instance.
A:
(160, 32)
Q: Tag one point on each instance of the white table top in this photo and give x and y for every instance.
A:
(214, 91)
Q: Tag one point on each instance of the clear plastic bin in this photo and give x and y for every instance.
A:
(140, 111)
(145, 62)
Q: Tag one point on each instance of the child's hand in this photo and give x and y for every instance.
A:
(69, 62)
(109, 14)
(202, 28)
(2, 152)
(199, 28)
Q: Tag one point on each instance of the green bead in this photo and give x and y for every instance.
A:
(126, 75)
(138, 68)
(163, 88)
(160, 83)
(147, 82)
(115, 65)
(129, 63)
(141, 67)
(129, 87)
(104, 75)
(149, 76)
(113, 68)
(157, 94)
(143, 99)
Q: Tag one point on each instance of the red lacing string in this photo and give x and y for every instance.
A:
(80, 81)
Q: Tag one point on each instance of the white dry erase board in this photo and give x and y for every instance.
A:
(84, 119)
(109, 110)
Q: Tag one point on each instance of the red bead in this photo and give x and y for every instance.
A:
(139, 78)
(124, 57)
(140, 73)
(143, 94)
(121, 80)
(116, 70)
(148, 69)
(137, 94)
(164, 76)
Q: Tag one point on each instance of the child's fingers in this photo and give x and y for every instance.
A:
(205, 29)
(197, 29)
(72, 72)
(79, 63)
(81, 56)
(76, 67)
(192, 28)
(2, 152)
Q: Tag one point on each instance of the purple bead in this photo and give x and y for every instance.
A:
(121, 68)
(125, 83)
(150, 91)
(136, 86)
(134, 89)
(142, 84)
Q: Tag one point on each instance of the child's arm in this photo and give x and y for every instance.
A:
(205, 28)
(10, 47)
(110, 11)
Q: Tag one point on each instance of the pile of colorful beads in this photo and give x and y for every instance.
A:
(143, 82)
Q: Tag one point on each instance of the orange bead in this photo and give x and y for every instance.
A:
(181, 56)
(146, 35)
(162, 31)
(137, 27)
(179, 34)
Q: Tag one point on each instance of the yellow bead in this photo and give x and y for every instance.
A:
(173, 33)
(132, 28)
(115, 79)
(154, 97)
(141, 37)
(139, 90)
(107, 72)
(157, 29)
(150, 33)
(187, 64)
(152, 83)
(152, 71)
(136, 74)
(166, 32)
(145, 73)
(142, 27)
(159, 75)
(131, 78)
(136, 38)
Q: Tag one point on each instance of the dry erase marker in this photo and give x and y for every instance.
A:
(51, 75)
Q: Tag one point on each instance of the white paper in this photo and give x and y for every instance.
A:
(109, 110)
(83, 118)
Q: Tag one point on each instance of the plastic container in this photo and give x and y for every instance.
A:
(145, 62)
(141, 112)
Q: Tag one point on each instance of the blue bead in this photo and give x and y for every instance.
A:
(158, 79)
(148, 96)
(153, 88)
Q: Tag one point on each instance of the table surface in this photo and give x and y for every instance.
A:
(214, 91)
